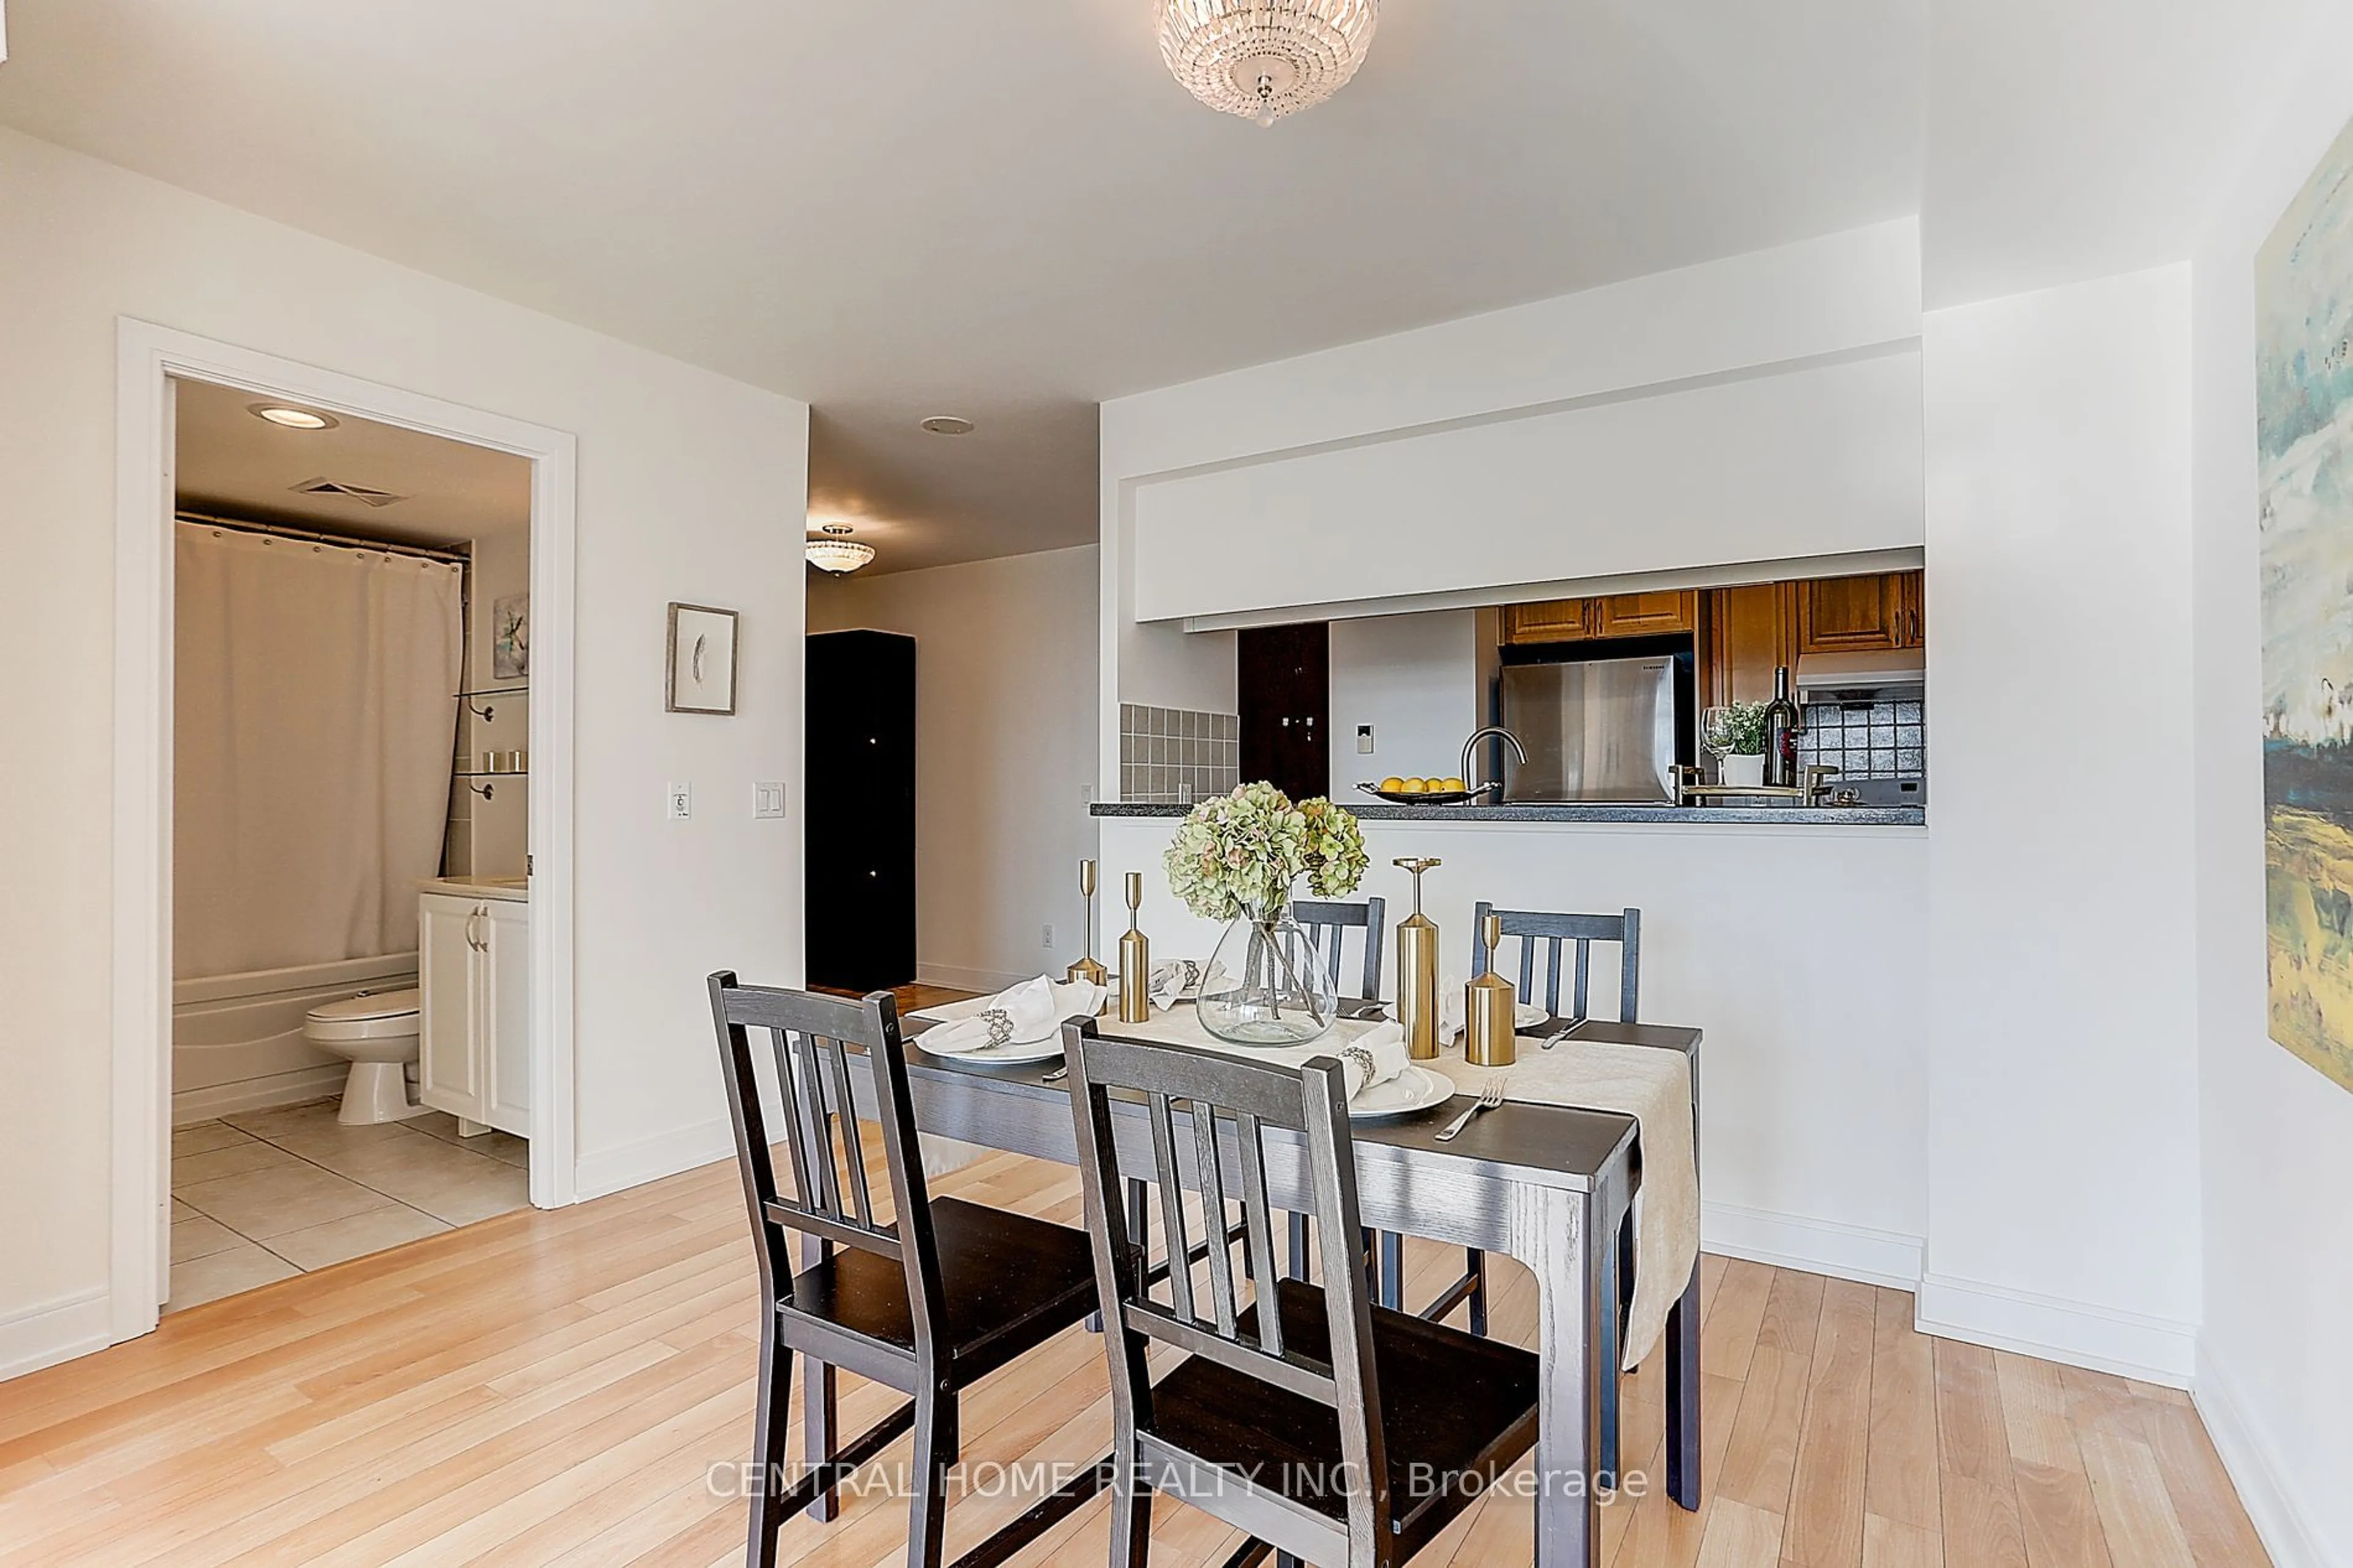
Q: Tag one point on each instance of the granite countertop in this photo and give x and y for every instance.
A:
(1743, 815)
(512, 889)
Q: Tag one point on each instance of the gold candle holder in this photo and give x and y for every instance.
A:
(1134, 960)
(1086, 969)
(1417, 970)
(1489, 1037)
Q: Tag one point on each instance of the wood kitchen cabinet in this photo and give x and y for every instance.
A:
(473, 977)
(1603, 616)
(1750, 632)
(1869, 613)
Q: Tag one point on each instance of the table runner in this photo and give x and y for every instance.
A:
(1653, 1086)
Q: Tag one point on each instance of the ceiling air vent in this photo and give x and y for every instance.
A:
(323, 486)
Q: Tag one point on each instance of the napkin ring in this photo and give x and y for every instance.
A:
(1000, 1025)
(1361, 1057)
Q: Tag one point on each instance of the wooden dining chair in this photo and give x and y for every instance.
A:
(926, 1301)
(1550, 933)
(1327, 926)
(1324, 1425)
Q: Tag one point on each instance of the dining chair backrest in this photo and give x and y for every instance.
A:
(1551, 931)
(1328, 925)
(830, 1199)
(1208, 1117)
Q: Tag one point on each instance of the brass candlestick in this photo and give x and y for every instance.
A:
(1490, 1039)
(1134, 960)
(1417, 956)
(1086, 968)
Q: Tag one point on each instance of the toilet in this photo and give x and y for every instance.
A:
(377, 1033)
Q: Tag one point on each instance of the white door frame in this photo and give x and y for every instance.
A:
(147, 356)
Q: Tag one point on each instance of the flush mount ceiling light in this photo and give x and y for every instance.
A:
(292, 418)
(948, 424)
(838, 552)
(1265, 58)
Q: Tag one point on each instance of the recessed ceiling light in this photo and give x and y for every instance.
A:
(948, 424)
(292, 418)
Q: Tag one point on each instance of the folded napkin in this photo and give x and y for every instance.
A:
(1372, 1057)
(1176, 980)
(1026, 1014)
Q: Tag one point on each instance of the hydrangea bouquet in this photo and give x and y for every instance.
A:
(1242, 853)
(1237, 857)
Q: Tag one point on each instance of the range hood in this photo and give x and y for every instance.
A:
(1892, 674)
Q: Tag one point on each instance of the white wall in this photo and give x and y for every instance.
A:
(2063, 1165)
(1822, 458)
(1798, 948)
(689, 488)
(2275, 1362)
(1005, 688)
(1417, 679)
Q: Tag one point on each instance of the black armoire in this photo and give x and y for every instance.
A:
(861, 810)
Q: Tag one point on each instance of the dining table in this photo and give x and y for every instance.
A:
(1547, 1184)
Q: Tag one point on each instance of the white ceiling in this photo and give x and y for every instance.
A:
(2074, 139)
(232, 463)
(1003, 210)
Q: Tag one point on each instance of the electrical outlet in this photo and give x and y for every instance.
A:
(1364, 739)
(1049, 937)
(768, 800)
(681, 802)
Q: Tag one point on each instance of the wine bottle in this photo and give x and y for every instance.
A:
(1783, 724)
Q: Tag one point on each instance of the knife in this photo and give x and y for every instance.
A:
(1564, 1031)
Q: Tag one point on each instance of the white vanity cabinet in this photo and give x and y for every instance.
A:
(474, 1014)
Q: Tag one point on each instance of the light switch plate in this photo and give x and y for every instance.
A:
(768, 800)
(681, 802)
(1364, 739)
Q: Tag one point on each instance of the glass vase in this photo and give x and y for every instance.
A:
(1264, 984)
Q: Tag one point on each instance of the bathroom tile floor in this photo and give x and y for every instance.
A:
(264, 1194)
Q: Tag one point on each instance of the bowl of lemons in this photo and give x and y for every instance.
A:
(1431, 791)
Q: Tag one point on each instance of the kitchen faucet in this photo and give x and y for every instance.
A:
(1471, 745)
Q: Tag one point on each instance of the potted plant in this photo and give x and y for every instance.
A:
(1237, 857)
(1736, 733)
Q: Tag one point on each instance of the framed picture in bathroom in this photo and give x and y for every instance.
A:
(702, 659)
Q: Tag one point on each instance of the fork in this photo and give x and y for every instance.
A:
(1489, 1098)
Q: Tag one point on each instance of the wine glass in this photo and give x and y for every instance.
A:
(1715, 730)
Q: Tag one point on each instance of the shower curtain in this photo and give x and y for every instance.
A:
(314, 720)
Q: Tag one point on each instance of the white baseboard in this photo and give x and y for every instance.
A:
(988, 981)
(2154, 1349)
(2254, 1464)
(602, 1172)
(191, 1105)
(1812, 1246)
(53, 1332)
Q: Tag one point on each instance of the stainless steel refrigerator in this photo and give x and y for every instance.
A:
(1594, 729)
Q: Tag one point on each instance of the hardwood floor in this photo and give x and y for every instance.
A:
(555, 1388)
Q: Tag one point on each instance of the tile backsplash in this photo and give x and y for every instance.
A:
(1175, 756)
(1866, 740)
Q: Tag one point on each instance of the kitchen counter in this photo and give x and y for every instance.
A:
(1742, 815)
(512, 889)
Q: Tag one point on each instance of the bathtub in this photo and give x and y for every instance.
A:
(237, 1039)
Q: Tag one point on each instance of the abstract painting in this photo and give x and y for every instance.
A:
(511, 637)
(2304, 419)
(702, 659)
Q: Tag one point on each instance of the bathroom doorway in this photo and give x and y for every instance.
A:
(342, 774)
(350, 702)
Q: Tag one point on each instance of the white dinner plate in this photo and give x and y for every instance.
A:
(1047, 1046)
(1416, 1089)
(1014, 1053)
(1526, 1017)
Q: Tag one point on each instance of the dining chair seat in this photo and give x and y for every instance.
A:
(1008, 1284)
(1452, 1404)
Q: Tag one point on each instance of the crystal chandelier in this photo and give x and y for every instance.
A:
(836, 553)
(1265, 58)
